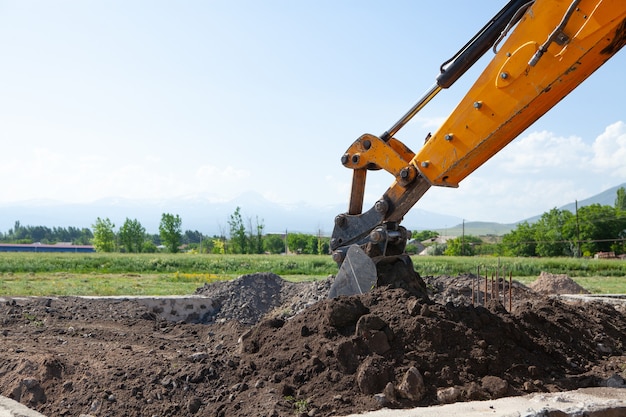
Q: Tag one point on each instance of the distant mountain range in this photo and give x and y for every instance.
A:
(211, 218)
(197, 213)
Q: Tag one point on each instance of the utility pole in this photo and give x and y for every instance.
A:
(578, 254)
(286, 245)
(463, 239)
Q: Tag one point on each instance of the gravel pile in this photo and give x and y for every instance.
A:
(251, 297)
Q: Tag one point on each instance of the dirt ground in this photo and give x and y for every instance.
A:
(281, 349)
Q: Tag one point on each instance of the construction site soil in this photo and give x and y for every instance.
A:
(274, 348)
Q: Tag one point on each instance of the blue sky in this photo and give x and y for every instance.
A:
(161, 99)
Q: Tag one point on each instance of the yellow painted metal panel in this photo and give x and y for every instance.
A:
(511, 94)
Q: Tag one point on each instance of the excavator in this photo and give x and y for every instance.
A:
(542, 50)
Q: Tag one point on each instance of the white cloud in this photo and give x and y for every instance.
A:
(43, 173)
(535, 173)
(609, 151)
(543, 151)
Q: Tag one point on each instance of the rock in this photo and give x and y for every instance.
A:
(448, 395)
(194, 404)
(305, 331)
(496, 386)
(248, 342)
(377, 342)
(473, 391)
(602, 348)
(373, 375)
(369, 322)
(375, 332)
(413, 306)
(615, 381)
(315, 365)
(390, 392)
(381, 399)
(344, 311)
(412, 385)
(273, 322)
(239, 387)
(345, 352)
(197, 357)
(29, 392)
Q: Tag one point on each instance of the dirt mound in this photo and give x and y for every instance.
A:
(553, 284)
(469, 289)
(250, 297)
(412, 353)
(68, 356)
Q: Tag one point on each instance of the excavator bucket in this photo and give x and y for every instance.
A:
(357, 274)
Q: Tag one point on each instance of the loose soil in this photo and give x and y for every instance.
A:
(556, 284)
(282, 349)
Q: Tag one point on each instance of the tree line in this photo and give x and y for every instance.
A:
(242, 237)
(30, 234)
(592, 229)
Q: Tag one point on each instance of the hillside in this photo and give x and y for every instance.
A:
(480, 229)
(605, 198)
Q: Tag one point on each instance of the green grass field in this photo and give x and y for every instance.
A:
(166, 274)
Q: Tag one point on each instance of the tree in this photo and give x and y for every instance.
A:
(18, 231)
(103, 235)
(132, 235)
(620, 200)
(41, 234)
(437, 249)
(297, 242)
(323, 245)
(274, 244)
(255, 236)
(148, 247)
(312, 247)
(422, 235)
(238, 235)
(84, 237)
(551, 234)
(170, 231)
(218, 247)
(462, 246)
(306, 244)
(192, 236)
(206, 245)
(600, 228)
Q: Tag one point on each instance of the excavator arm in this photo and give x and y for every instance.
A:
(543, 50)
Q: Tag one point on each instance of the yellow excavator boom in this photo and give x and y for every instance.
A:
(543, 50)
